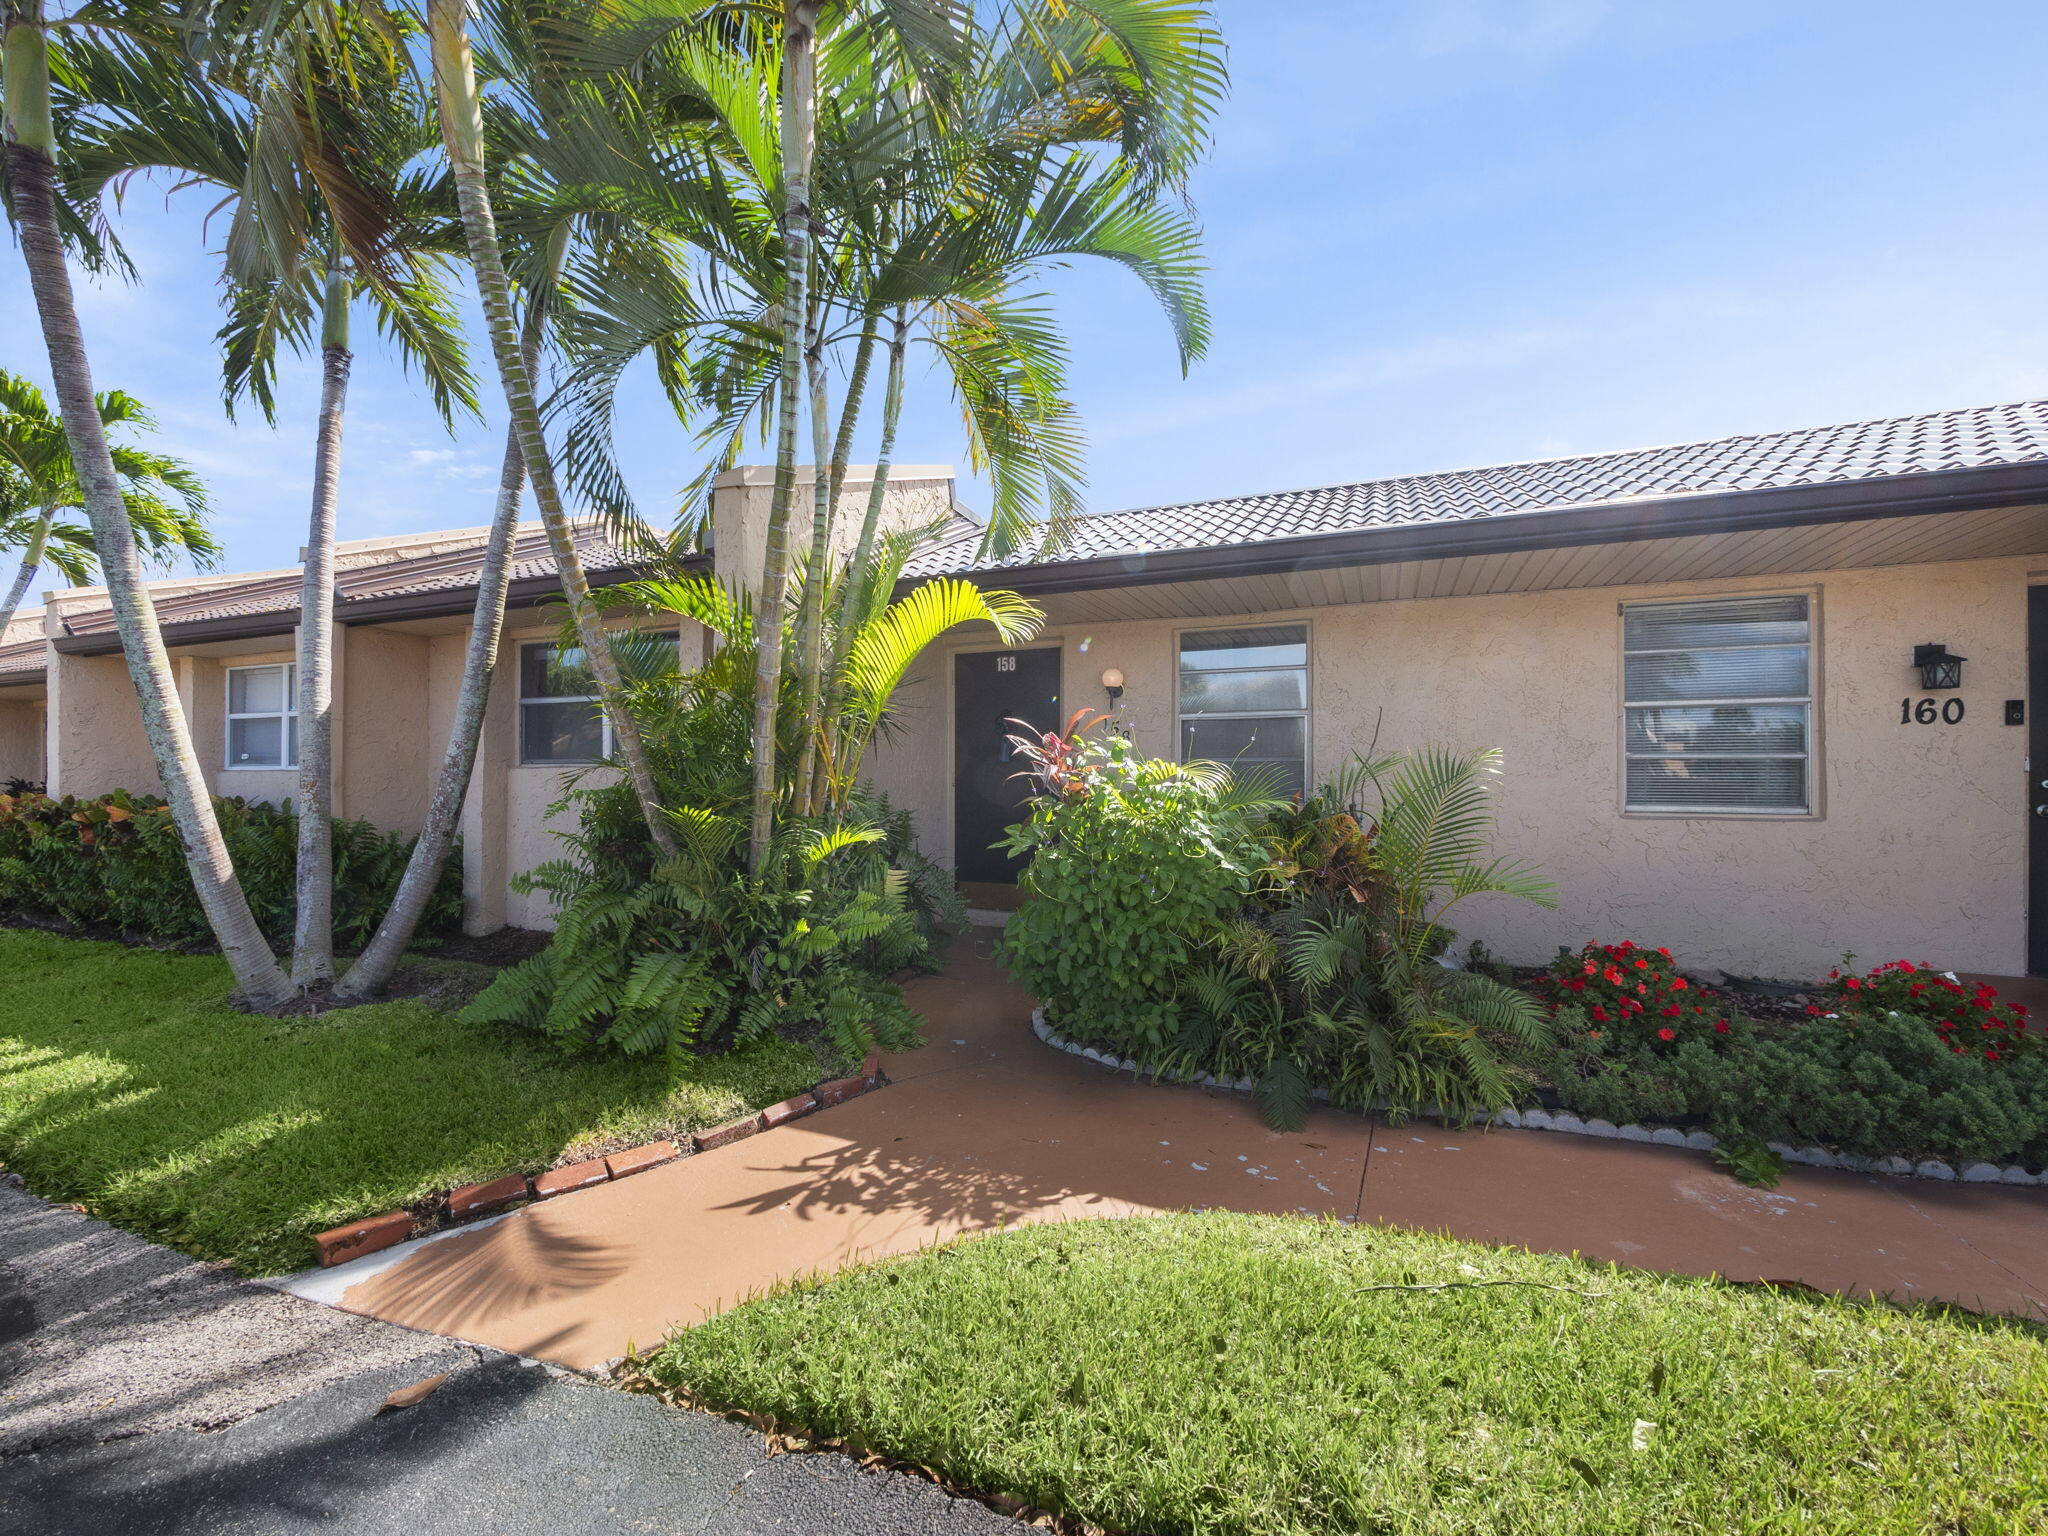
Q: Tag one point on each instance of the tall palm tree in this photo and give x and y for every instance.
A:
(1050, 135)
(33, 205)
(165, 500)
(312, 130)
(462, 131)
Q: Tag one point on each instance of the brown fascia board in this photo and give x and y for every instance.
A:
(1666, 517)
(443, 602)
(22, 679)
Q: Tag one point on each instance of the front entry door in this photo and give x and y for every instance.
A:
(2037, 780)
(989, 690)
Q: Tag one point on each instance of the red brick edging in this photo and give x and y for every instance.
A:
(469, 1201)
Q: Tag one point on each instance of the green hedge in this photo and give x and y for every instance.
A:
(116, 862)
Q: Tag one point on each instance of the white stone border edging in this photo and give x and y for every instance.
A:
(1572, 1125)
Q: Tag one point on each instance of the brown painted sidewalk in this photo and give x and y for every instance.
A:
(986, 1126)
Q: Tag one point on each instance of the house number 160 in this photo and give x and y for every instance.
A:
(1950, 712)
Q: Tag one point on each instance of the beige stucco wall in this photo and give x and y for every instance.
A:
(387, 754)
(1918, 849)
(97, 743)
(21, 735)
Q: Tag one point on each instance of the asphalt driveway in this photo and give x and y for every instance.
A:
(141, 1392)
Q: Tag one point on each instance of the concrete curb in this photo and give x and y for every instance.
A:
(1572, 1125)
(467, 1202)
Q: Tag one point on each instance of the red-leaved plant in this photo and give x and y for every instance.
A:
(1971, 1020)
(1626, 987)
(1058, 760)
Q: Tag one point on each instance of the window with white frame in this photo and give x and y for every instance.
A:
(1244, 700)
(263, 718)
(1717, 706)
(560, 717)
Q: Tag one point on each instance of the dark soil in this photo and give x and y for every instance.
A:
(508, 946)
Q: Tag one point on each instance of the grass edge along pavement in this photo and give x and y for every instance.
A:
(129, 1087)
(1227, 1373)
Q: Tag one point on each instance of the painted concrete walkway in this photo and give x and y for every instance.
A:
(985, 1126)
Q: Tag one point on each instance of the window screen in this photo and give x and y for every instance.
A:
(1244, 700)
(263, 721)
(1718, 706)
(560, 718)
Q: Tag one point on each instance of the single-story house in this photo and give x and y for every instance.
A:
(1765, 699)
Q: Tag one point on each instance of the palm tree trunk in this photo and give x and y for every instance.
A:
(31, 562)
(799, 87)
(313, 931)
(818, 569)
(462, 130)
(31, 176)
(378, 962)
(858, 575)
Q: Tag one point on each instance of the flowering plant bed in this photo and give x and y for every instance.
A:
(1899, 1065)
(1970, 1021)
(1626, 987)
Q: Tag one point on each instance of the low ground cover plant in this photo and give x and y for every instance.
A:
(115, 861)
(1200, 923)
(1227, 1373)
(1900, 1061)
(129, 1085)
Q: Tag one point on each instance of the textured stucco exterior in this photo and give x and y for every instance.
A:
(21, 735)
(1918, 846)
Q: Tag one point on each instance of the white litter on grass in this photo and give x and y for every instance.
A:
(1415, 1138)
(1242, 1158)
(1199, 1167)
(1379, 1149)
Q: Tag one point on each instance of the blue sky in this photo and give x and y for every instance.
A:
(1442, 233)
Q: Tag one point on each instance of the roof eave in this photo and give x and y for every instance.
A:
(451, 602)
(1666, 517)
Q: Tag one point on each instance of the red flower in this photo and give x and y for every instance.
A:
(1721, 1026)
(1667, 1034)
(1600, 1013)
(1678, 983)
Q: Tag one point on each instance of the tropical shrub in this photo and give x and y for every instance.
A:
(1331, 975)
(690, 954)
(1134, 861)
(694, 951)
(1204, 926)
(115, 861)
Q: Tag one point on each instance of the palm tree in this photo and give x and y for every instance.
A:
(312, 129)
(927, 206)
(165, 500)
(462, 132)
(33, 205)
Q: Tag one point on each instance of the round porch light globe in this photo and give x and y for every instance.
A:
(1112, 677)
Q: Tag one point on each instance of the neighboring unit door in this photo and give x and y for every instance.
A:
(990, 689)
(2037, 780)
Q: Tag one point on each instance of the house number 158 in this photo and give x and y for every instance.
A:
(1949, 712)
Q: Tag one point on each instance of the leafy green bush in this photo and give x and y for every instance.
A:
(1133, 861)
(116, 861)
(1330, 976)
(1203, 926)
(1870, 1084)
(691, 955)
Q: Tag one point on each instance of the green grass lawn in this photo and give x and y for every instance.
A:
(128, 1086)
(1228, 1373)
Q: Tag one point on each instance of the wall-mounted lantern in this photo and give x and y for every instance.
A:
(1939, 666)
(1113, 684)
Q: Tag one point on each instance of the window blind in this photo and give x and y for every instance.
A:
(1718, 706)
